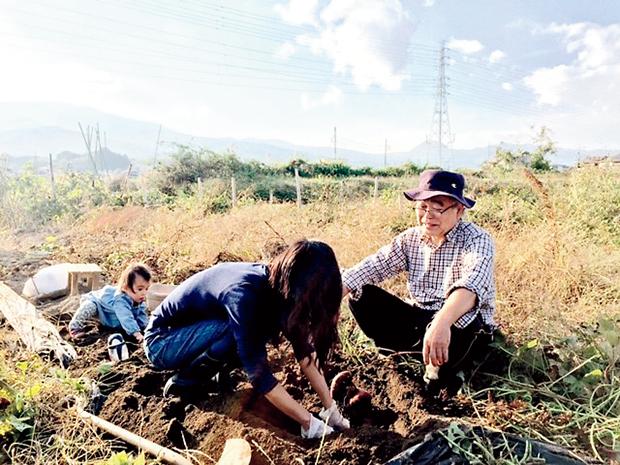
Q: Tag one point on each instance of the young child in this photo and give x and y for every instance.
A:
(118, 307)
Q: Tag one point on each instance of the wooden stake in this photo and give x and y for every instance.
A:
(52, 179)
(298, 187)
(156, 147)
(126, 179)
(160, 452)
(375, 193)
(200, 188)
(233, 188)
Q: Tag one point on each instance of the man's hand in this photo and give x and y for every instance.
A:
(345, 291)
(437, 337)
(436, 343)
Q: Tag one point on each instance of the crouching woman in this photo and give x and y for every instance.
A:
(227, 314)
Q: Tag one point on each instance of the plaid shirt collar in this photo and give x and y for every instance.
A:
(449, 237)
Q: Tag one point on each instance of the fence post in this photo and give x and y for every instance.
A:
(375, 193)
(52, 179)
(127, 179)
(233, 187)
(298, 187)
(270, 196)
(200, 188)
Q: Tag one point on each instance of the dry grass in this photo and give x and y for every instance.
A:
(175, 241)
(43, 397)
(551, 275)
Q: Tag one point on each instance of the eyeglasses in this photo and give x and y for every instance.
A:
(435, 211)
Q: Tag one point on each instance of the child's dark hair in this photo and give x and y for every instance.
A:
(307, 277)
(129, 274)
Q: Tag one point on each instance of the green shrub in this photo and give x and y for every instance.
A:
(27, 200)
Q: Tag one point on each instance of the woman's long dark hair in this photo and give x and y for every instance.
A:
(307, 277)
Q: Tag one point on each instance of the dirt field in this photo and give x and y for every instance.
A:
(399, 414)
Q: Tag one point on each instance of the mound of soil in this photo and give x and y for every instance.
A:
(398, 414)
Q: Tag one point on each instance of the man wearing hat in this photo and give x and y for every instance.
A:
(449, 266)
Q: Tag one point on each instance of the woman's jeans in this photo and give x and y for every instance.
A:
(189, 348)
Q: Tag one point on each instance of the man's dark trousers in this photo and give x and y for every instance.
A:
(396, 326)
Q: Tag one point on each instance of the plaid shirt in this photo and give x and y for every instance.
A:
(463, 260)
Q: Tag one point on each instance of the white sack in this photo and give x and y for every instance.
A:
(51, 281)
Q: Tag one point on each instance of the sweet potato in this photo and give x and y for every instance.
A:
(361, 399)
(341, 385)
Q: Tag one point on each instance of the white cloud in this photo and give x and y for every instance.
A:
(333, 96)
(496, 56)
(367, 39)
(65, 81)
(465, 46)
(549, 84)
(428, 3)
(40, 76)
(507, 86)
(569, 30)
(596, 62)
(596, 46)
(285, 50)
(586, 85)
(298, 12)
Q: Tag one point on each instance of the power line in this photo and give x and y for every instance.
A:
(268, 33)
(420, 57)
(256, 86)
(261, 27)
(184, 48)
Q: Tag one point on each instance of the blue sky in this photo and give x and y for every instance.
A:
(295, 70)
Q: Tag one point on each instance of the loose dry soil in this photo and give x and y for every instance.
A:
(399, 416)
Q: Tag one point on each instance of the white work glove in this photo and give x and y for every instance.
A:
(334, 418)
(316, 429)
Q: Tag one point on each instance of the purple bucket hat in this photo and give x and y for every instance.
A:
(436, 182)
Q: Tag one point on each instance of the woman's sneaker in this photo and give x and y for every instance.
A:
(178, 386)
(185, 386)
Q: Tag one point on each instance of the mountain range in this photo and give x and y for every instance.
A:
(30, 131)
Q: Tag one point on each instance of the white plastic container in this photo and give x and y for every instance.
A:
(49, 282)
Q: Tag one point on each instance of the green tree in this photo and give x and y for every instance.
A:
(537, 160)
(545, 148)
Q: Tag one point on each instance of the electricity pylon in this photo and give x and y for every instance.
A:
(440, 127)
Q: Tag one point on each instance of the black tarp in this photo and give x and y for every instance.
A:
(464, 445)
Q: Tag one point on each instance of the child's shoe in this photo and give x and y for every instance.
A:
(117, 348)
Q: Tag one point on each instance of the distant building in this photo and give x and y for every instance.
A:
(605, 160)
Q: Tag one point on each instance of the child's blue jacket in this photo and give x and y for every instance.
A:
(117, 310)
